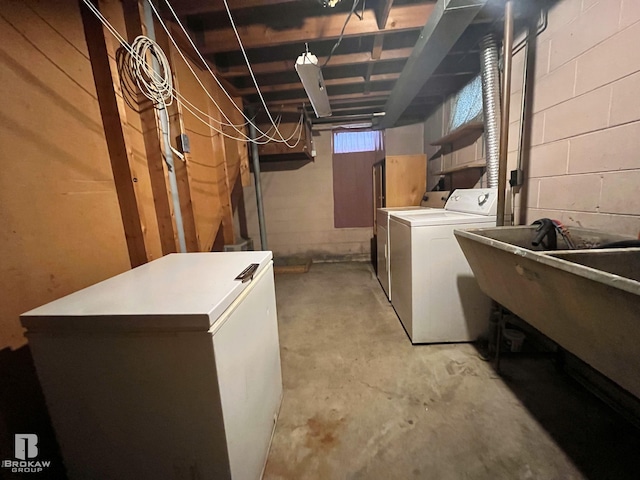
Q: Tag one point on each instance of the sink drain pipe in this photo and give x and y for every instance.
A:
(496, 130)
(506, 100)
(255, 158)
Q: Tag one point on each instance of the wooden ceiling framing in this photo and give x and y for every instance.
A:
(361, 72)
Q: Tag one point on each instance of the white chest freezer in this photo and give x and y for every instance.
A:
(170, 370)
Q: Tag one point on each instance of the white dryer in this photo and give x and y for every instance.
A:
(382, 219)
(435, 293)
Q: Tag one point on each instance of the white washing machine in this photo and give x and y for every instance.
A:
(435, 293)
(383, 242)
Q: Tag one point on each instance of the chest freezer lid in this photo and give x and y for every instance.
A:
(442, 217)
(179, 291)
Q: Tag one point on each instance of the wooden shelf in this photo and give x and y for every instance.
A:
(466, 130)
(459, 168)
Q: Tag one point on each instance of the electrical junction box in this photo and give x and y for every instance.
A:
(183, 143)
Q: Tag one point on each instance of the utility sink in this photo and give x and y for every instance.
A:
(521, 237)
(587, 300)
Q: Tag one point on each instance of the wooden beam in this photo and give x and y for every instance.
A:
(176, 125)
(406, 17)
(364, 109)
(194, 7)
(376, 52)
(383, 8)
(112, 110)
(367, 78)
(347, 96)
(332, 82)
(152, 141)
(184, 181)
(188, 51)
(336, 60)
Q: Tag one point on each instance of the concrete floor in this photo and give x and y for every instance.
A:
(360, 402)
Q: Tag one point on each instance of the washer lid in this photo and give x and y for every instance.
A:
(181, 291)
(442, 217)
(384, 213)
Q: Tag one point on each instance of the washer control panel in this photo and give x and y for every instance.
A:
(480, 201)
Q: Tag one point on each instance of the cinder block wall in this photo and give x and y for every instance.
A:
(299, 205)
(463, 152)
(584, 160)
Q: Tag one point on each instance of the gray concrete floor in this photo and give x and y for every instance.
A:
(360, 402)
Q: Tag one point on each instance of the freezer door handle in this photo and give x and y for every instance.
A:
(247, 274)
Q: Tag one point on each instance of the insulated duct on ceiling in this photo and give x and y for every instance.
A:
(446, 24)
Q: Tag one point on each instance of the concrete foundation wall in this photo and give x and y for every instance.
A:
(583, 164)
(462, 152)
(299, 204)
(405, 140)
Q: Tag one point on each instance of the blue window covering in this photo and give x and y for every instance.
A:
(467, 105)
(351, 142)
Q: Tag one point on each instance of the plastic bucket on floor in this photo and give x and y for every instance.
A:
(514, 339)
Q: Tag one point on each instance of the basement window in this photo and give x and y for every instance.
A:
(361, 141)
(467, 104)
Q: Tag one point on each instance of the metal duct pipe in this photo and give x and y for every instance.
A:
(491, 106)
(255, 158)
(506, 100)
(166, 141)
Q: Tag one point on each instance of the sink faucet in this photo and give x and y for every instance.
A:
(546, 228)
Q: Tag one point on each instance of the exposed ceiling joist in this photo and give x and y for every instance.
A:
(288, 65)
(378, 42)
(255, 35)
(367, 78)
(382, 12)
(302, 98)
(329, 83)
(194, 7)
(385, 61)
(446, 25)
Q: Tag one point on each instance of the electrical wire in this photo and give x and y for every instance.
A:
(158, 87)
(151, 83)
(152, 74)
(353, 9)
(253, 77)
(205, 63)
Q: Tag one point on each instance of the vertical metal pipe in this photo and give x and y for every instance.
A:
(525, 92)
(255, 158)
(506, 97)
(491, 106)
(166, 141)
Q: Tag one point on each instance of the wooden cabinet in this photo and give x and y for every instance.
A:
(399, 181)
(278, 151)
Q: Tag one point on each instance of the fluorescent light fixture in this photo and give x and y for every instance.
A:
(313, 83)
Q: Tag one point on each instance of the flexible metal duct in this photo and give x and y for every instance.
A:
(491, 106)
